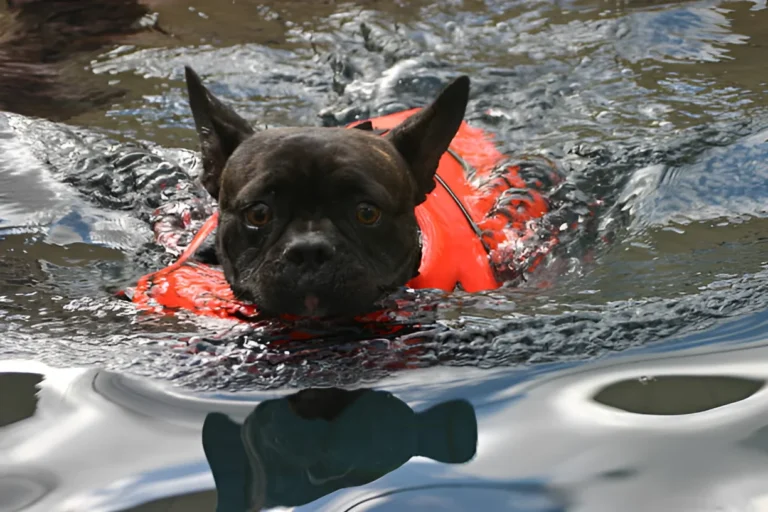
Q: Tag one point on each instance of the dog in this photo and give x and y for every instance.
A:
(318, 221)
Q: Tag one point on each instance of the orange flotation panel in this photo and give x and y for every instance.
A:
(477, 228)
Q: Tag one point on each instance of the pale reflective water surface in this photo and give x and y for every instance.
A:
(627, 375)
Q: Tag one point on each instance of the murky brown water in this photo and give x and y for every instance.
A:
(632, 381)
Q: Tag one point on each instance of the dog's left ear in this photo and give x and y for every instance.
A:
(219, 128)
(425, 136)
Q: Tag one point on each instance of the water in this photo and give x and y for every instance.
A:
(626, 375)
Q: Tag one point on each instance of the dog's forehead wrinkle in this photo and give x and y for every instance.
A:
(329, 144)
(313, 164)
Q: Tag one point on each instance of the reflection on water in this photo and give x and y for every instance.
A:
(671, 430)
(294, 450)
(656, 108)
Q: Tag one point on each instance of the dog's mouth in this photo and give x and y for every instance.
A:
(314, 305)
(318, 304)
(329, 295)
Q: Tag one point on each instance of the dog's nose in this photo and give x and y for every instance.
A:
(309, 251)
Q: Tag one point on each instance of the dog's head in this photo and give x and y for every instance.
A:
(320, 221)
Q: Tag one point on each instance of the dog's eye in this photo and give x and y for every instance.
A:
(258, 215)
(367, 214)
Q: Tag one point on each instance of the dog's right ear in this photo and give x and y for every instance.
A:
(423, 137)
(219, 128)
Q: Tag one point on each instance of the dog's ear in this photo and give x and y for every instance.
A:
(220, 130)
(425, 136)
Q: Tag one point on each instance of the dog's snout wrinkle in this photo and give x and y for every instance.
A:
(309, 251)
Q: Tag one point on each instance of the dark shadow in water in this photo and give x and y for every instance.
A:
(677, 394)
(38, 37)
(295, 450)
(18, 402)
(458, 498)
(18, 396)
(195, 502)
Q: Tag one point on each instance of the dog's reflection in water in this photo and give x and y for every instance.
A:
(294, 450)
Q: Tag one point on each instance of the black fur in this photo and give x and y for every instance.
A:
(313, 256)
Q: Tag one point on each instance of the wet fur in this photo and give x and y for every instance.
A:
(313, 179)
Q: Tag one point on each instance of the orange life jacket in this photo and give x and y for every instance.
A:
(477, 230)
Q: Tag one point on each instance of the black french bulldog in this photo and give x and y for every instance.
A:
(320, 221)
